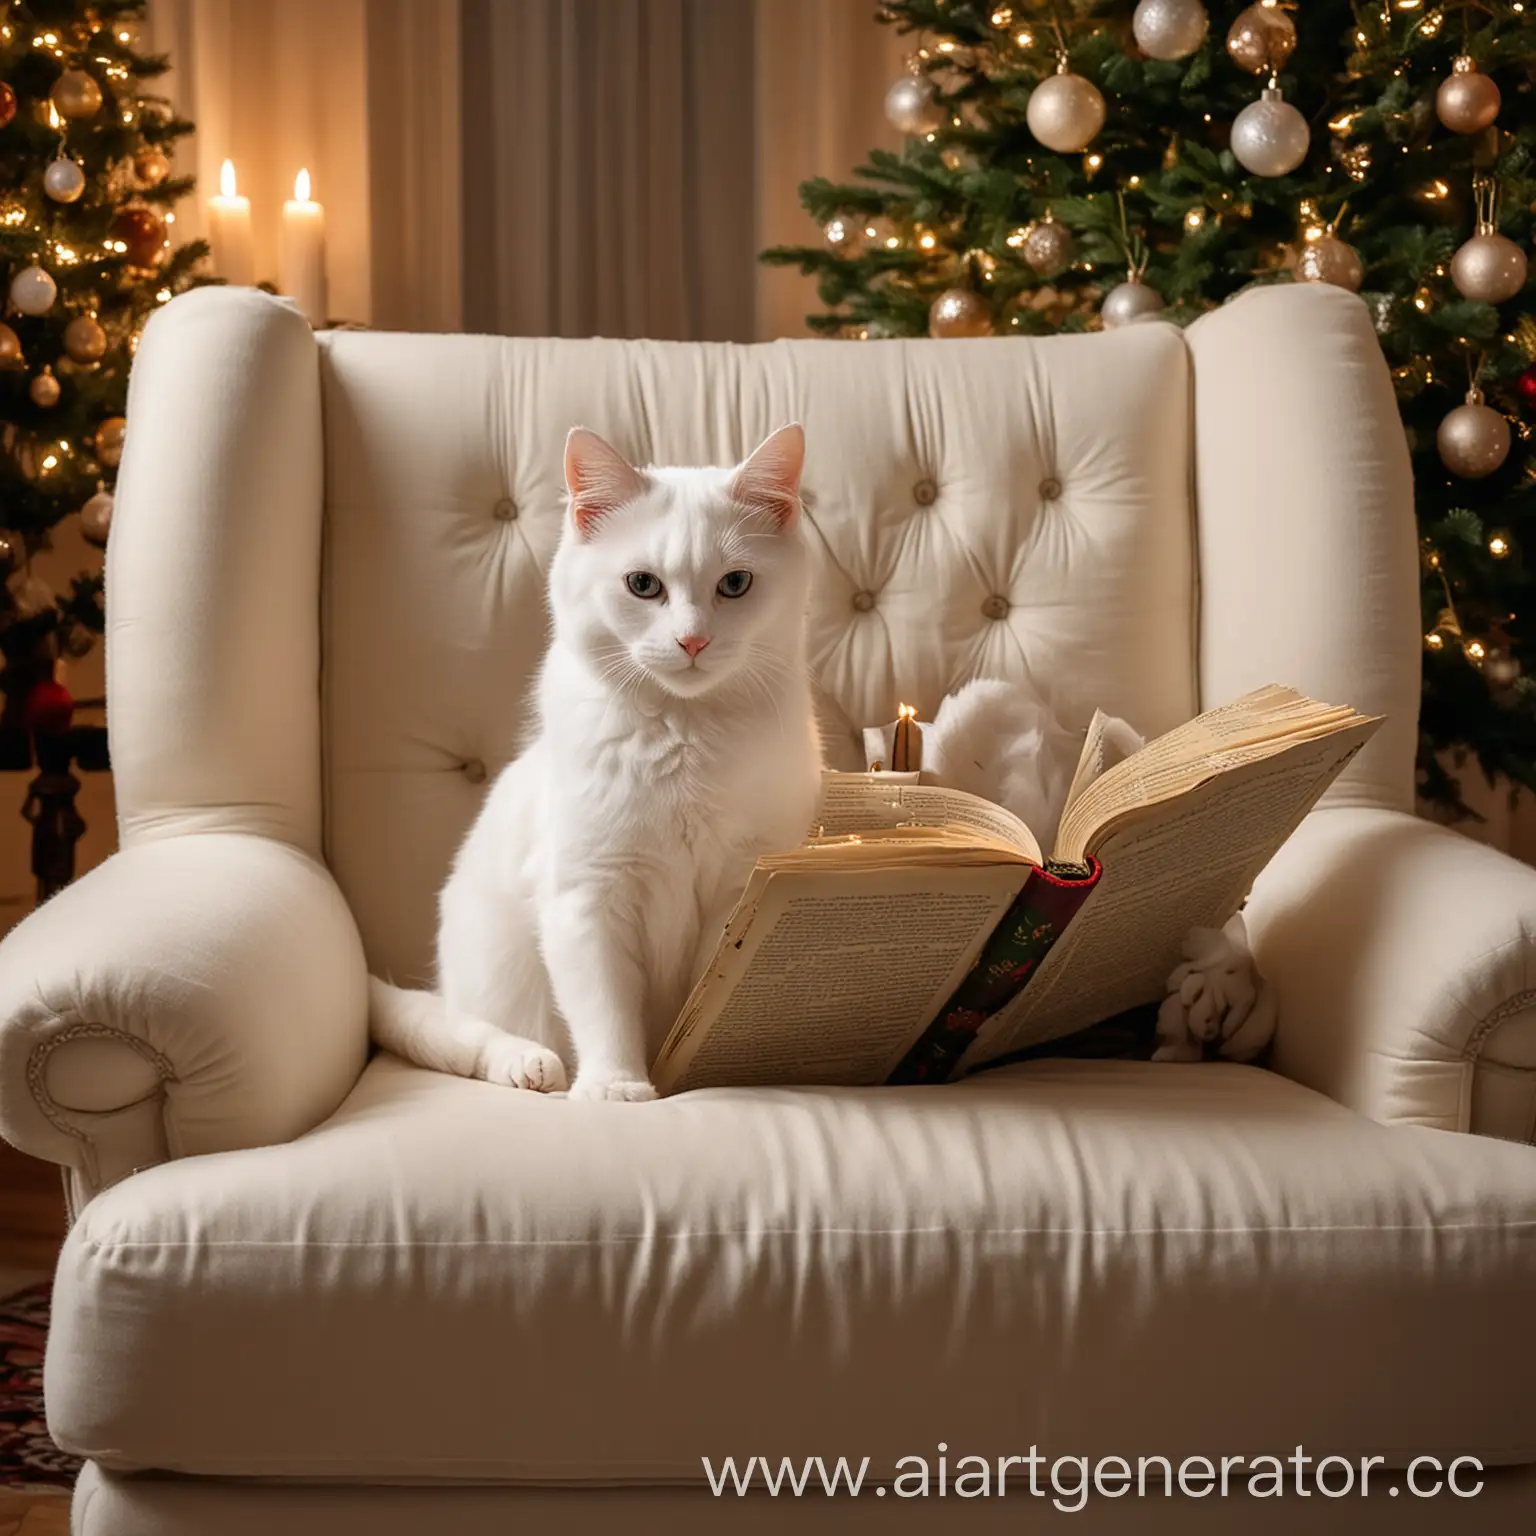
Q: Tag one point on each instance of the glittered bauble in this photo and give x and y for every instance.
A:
(75, 94)
(844, 232)
(10, 347)
(109, 440)
(7, 104)
(1129, 302)
(1489, 267)
(84, 339)
(48, 706)
(1048, 248)
(1065, 111)
(143, 232)
(1169, 29)
(1269, 136)
(96, 518)
(64, 181)
(912, 106)
(1261, 39)
(1467, 101)
(960, 312)
(44, 390)
(33, 291)
(1474, 439)
(1525, 386)
(151, 166)
(1330, 260)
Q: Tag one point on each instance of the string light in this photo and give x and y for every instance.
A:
(1434, 641)
(1476, 650)
(1001, 16)
(1017, 237)
(1093, 161)
(1025, 39)
(927, 240)
(164, 297)
(1498, 546)
(1194, 218)
(1430, 25)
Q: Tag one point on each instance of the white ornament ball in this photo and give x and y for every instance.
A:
(1065, 112)
(1048, 248)
(1331, 260)
(1269, 136)
(1473, 440)
(960, 312)
(1128, 303)
(33, 291)
(1489, 267)
(912, 106)
(1467, 101)
(1170, 29)
(63, 181)
(96, 518)
(31, 595)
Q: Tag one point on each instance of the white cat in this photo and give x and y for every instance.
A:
(675, 742)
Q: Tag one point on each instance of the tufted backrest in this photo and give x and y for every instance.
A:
(374, 516)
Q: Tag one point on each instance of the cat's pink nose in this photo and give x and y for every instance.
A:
(693, 644)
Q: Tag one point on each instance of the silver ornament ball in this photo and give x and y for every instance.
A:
(1269, 136)
(1489, 267)
(33, 291)
(912, 107)
(1048, 248)
(96, 518)
(1467, 101)
(1473, 440)
(1129, 302)
(63, 181)
(960, 312)
(1331, 260)
(844, 232)
(1065, 112)
(1169, 29)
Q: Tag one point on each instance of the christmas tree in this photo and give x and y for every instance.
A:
(1090, 164)
(86, 186)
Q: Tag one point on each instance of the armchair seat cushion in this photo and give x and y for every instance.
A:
(454, 1281)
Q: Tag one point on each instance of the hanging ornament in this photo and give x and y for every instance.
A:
(1261, 39)
(44, 390)
(1525, 386)
(1330, 260)
(10, 348)
(48, 705)
(1048, 247)
(1169, 29)
(75, 94)
(960, 312)
(64, 181)
(1065, 111)
(142, 231)
(1489, 266)
(151, 166)
(1269, 136)
(1129, 302)
(33, 291)
(1467, 101)
(109, 440)
(7, 104)
(1474, 439)
(84, 339)
(96, 517)
(844, 232)
(912, 106)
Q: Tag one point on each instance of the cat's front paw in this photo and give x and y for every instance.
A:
(1217, 1002)
(523, 1064)
(623, 1090)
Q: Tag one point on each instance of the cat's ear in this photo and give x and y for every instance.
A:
(770, 479)
(599, 478)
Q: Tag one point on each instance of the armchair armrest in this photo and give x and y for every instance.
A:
(1404, 956)
(193, 994)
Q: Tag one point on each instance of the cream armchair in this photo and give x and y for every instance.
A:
(312, 1292)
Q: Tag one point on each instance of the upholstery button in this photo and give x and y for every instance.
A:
(925, 493)
(505, 510)
(996, 607)
(863, 601)
(1050, 489)
(473, 770)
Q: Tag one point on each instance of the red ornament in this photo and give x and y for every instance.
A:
(143, 232)
(1526, 385)
(48, 708)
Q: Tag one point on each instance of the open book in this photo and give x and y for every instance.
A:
(920, 931)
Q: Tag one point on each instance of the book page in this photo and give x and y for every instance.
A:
(833, 976)
(861, 802)
(1186, 863)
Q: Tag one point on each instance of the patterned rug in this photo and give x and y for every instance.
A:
(28, 1458)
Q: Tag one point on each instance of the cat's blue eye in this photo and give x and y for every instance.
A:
(734, 583)
(644, 584)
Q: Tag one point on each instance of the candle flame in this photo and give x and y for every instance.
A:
(227, 179)
(906, 712)
(301, 187)
(54, 120)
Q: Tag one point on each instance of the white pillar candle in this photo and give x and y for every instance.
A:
(229, 231)
(301, 252)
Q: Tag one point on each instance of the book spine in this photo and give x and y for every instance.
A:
(1048, 902)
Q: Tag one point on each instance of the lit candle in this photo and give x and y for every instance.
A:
(907, 743)
(301, 255)
(229, 231)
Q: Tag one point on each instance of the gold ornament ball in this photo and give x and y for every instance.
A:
(1331, 260)
(1048, 248)
(1474, 439)
(960, 312)
(1467, 101)
(912, 107)
(1129, 302)
(84, 339)
(44, 390)
(10, 347)
(1065, 112)
(1261, 39)
(75, 94)
(1489, 267)
(96, 518)
(151, 166)
(109, 440)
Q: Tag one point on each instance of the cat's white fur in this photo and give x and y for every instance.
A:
(594, 884)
